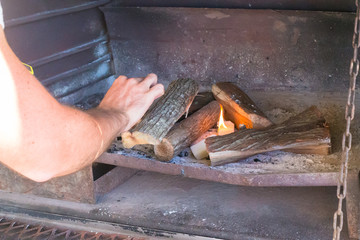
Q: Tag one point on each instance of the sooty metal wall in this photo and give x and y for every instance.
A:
(65, 42)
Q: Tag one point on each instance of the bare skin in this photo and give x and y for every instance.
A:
(42, 139)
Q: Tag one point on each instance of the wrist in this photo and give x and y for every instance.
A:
(112, 121)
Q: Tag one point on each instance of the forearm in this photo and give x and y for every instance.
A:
(109, 125)
(41, 138)
(88, 135)
(52, 147)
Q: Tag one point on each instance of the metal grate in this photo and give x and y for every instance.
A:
(12, 229)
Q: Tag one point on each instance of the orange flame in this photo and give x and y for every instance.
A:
(221, 123)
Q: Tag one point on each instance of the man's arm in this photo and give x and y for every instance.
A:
(42, 139)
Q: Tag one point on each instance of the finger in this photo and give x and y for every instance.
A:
(150, 80)
(156, 91)
(138, 79)
(118, 82)
(121, 78)
(134, 81)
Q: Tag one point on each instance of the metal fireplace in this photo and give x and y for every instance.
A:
(285, 56)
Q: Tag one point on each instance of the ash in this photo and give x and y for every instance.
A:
(272, 162)
(280, 162)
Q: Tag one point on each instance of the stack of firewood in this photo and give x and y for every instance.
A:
(165, 128)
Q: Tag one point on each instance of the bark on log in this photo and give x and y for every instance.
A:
(187, 131)
(305, 133)
(159, 119)
(238, 106)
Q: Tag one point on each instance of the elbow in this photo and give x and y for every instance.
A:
(41, 179)
(36, 174)
(29, 172)
(38, 177)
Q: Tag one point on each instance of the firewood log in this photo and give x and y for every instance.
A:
(163, 114)
(305, 133)
(238, 106)
(187, 131)
(198, 148)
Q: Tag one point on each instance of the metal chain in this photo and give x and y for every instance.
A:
(347, 137)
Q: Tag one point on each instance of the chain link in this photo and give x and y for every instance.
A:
(347, 136)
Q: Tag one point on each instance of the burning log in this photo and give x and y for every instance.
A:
(240, 109)
(187, 131)
(159, 119)
(305, 133)
(224, 127)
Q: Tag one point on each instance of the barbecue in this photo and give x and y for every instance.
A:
(254, 102)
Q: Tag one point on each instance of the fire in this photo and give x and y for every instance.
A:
(224, 127)
(221, 122)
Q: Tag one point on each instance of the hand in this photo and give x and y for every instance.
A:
(132, 97)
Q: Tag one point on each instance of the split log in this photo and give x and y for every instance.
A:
(187, 131)
(305, 133)
(159, 119)
(198, 148)
(238, 106)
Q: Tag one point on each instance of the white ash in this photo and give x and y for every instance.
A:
(282, 162)
(272, 162)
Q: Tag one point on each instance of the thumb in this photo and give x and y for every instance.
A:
(156, 91)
